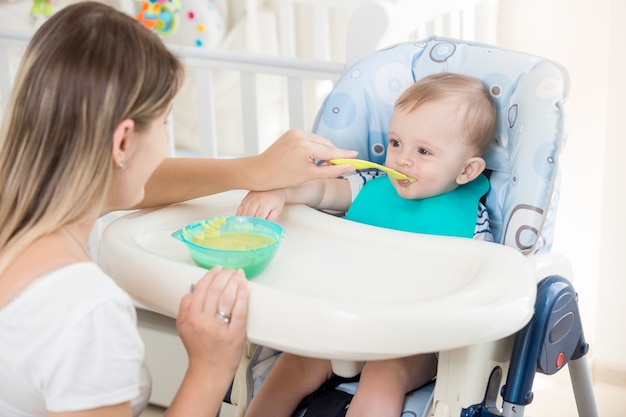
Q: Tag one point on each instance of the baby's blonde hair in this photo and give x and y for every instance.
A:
(86, 69)
(477, 107)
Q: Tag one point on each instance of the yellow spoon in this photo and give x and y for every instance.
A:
(361, 164)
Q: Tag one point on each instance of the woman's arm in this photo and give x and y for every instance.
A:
(289, 161)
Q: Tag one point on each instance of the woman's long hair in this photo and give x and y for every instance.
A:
(85, 70)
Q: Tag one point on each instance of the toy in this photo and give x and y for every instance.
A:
(194, 23)
(159, 15)
(41, 8)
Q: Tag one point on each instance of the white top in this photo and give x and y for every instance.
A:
(69, 342)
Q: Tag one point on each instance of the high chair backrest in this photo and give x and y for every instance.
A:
(523, 159)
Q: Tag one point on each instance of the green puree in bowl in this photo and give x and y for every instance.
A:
(232, 241)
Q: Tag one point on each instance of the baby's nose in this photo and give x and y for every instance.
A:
(404, 160)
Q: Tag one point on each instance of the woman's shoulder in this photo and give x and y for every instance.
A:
(79, 288)
(83, 275)
(76, 323)
(66, 302)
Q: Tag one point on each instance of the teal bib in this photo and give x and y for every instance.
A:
(449, 214)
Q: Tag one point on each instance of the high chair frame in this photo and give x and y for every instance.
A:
(529, 94)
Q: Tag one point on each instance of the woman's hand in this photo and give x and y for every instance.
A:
(212, 325)
(264, 204)
(212, 320)
(293, 158)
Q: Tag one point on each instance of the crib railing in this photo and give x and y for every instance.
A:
(294, 75)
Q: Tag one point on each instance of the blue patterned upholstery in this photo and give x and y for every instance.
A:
(528, 91)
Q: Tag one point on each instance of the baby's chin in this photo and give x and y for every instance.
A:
(413, 191)
(407, 192)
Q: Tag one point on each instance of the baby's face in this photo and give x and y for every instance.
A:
(429, 145)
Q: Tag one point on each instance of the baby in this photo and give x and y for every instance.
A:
(440, 128)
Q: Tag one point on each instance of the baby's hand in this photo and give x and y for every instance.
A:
(264, 204)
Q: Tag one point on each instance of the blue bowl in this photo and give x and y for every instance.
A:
(253, 260)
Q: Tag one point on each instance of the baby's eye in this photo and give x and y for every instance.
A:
(394, 143)
(423, 151)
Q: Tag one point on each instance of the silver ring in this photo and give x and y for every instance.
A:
(225, 318)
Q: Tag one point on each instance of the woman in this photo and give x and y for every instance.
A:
(84, 134)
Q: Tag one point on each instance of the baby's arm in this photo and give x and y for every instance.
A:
(333, 194)
(263, 204)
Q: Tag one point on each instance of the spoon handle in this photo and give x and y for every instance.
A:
(361, 164)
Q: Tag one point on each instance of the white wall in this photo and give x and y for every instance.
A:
(584, 37)
(612, 280)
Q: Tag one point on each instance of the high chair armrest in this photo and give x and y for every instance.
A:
(551, 263)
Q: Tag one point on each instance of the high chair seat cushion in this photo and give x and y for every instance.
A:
(523, 160)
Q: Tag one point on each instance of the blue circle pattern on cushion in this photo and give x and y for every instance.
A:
(528, 92)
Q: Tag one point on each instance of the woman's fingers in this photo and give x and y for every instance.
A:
(200, 289)
(228, 295)
(322, 149)
(215, 295)
(292, 158)
(239, 309)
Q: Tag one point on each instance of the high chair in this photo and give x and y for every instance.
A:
(494, 378)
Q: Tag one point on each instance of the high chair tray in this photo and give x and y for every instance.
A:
(337, 289)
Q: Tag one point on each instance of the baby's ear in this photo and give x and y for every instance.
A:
(472, 169)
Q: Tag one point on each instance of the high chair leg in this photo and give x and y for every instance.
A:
(241, 388)
(553, 338)
(583, 390)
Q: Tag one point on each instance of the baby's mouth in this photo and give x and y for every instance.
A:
(404, 183)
